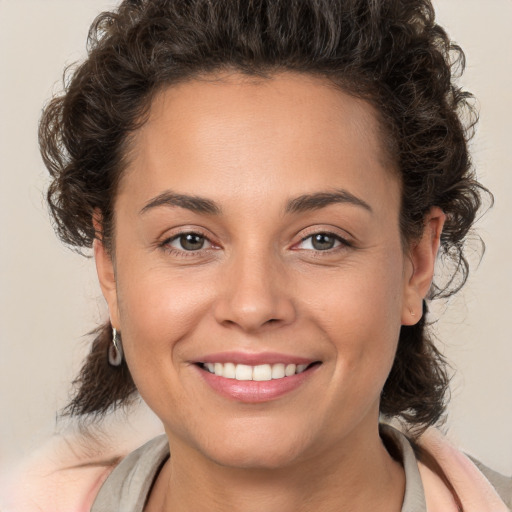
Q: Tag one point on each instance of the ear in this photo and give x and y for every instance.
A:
(106, 271)
(419, 269)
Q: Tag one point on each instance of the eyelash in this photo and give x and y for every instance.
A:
(184, 253)
(343, 243)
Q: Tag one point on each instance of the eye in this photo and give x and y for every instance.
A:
(188, 242)
(322, 242)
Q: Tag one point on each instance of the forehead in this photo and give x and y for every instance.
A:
(290, 128)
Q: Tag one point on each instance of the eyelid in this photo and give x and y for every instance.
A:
(337, 242)
(185, 229)
(171, 239)
(164, 241)
(344, 237)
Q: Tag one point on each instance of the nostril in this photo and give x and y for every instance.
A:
(252, 311)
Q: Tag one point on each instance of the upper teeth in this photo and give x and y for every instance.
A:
(260, 372)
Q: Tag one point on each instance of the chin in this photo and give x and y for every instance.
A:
(260, 450)
(246, 458)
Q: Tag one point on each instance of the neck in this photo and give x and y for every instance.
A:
(362, 477)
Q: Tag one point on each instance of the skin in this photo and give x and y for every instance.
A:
(259, 285)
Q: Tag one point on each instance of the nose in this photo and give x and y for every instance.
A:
(254, 294)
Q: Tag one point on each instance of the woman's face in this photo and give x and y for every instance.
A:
(257, 234)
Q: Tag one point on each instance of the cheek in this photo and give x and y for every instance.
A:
(158, 315)
(357, 298)
(157, 311)
(359, 311)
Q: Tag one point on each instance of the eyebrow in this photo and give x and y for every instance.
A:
(322, 199)
(299, 204)
(194, 203)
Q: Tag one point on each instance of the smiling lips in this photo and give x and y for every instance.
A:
(256, 382)
(262, 372)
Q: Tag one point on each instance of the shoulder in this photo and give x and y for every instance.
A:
(502, 483)
(452, 480)
(473, 482)
(130, 483)
(62, 490)
(68, 472)
(62, 476)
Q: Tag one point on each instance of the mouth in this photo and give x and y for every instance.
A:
(258, 373)
(256, 383)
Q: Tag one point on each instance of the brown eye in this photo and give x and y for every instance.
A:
(188, 242)
(322, 241)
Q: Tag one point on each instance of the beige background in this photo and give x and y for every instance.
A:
(48, 295)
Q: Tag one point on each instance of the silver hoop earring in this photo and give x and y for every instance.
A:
(115, 351)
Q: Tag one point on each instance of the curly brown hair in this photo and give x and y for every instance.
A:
(389, 52)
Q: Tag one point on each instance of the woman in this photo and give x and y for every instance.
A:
(266, 186)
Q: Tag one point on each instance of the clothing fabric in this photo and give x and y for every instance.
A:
(128, 486)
